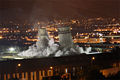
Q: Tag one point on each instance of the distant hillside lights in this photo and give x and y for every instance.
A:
(89, 38)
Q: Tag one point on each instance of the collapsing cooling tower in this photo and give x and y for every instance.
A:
(43, 39)
(45, 46)
(65, 37)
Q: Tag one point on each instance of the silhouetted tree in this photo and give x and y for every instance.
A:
(95, 75)
(114, 77)
(116, 51)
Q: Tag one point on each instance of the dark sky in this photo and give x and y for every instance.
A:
(34, 9)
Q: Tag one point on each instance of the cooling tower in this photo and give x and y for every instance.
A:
(43, 38)
(65, 37)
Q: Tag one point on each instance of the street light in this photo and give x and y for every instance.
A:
(51, 67)
(19, 65)
(93, 58)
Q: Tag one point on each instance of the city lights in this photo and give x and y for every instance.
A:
(1, 37)
(66, 70)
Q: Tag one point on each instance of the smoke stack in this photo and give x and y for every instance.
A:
(65, 37)
(43, 38)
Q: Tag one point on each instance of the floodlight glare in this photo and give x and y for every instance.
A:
(11, 49)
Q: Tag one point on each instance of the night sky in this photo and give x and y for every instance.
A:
(21, 10)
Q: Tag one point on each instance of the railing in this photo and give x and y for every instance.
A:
(35, 75)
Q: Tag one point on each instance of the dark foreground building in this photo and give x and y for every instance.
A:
(75, 67)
